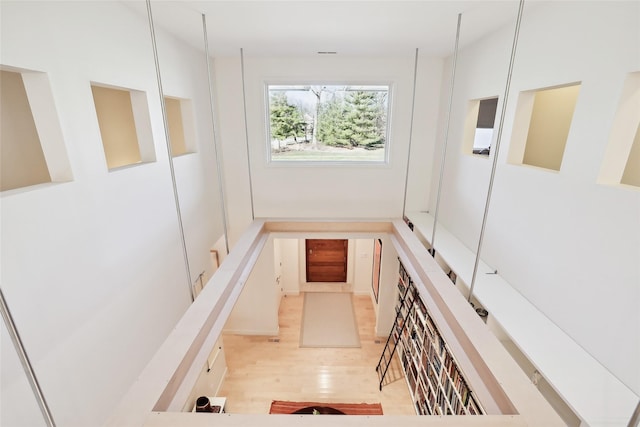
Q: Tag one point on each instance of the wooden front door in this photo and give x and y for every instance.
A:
(326, 260)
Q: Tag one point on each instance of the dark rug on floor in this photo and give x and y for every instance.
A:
(286, 407)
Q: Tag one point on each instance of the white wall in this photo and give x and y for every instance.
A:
(318, 191)
(289, 253)
(363, 260)
(569, 245)
(425, 133)
(93, 270)
(211, 376)
(277, 267)
(229, 121)
(18, 401)
(184, 75)
(256, 311)
(385, 309)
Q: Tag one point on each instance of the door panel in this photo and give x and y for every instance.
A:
(326, 260)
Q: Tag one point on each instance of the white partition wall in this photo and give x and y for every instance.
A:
(92, 268)
(256, 312)
(568, 244)
(327, 191)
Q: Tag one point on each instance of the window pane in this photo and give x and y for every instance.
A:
(484, 126)
(328, 123)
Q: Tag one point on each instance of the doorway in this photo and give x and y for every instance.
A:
(326, 260)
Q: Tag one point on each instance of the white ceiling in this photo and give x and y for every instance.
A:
(304, 27)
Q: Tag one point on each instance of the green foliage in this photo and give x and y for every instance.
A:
(360, 124)
(286, 119)
(357, 120)
(331, 116)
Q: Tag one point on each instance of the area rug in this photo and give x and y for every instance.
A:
(286, 407)
(328, 320)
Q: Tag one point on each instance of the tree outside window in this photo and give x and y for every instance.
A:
(328, 123)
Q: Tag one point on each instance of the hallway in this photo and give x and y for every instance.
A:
(261, 369)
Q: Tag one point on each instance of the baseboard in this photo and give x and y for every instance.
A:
(292, 293)
(252, 332)
(326, 287)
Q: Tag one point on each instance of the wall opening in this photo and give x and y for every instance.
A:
(542, 124)
(125, 126)
(180, 120)
(631, 174)
(621, 164)
(32, 149)
(23, 162)
(479, 126)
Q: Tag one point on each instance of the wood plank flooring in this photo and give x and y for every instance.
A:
(261, 370)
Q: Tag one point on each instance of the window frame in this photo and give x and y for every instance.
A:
(271, 162)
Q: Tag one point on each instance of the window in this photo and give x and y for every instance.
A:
(125, 126)
(621, 164)
(179, 119)
(328, 123)
(478, 131)
(541, 126)
(32, 149)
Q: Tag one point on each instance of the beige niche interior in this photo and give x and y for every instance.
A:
(32, 149)
(541, 126)
(621, 164)
(125, 125)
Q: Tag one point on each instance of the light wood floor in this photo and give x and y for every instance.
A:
(261, 370)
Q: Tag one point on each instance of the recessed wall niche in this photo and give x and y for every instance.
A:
(180, 121)
(541, 126)
(621, 163)
(125, 125)
(631, 174)
(479, 125)
(32, 149)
